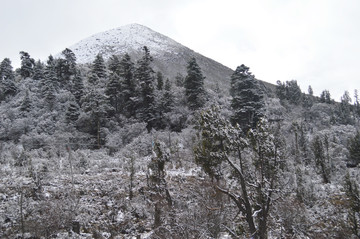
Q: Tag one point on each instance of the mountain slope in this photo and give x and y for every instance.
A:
(170, 57)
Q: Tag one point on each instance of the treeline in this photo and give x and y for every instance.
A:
(345, 112)
(97, 98)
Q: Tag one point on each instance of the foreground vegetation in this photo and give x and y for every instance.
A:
(113, 149)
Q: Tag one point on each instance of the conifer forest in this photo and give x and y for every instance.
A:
(117, 148)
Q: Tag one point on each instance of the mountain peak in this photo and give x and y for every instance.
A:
(170, 57)
(118, 41)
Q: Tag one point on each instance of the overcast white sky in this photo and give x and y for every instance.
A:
(316, 42)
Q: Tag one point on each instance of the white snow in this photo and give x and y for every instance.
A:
(123, 40)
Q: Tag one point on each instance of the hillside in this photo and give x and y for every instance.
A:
(97, 146)
(170, 57)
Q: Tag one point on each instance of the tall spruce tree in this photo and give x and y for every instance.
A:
(160, 80)
(354, 148)
(128, 86)
(325, 97)
(68, 67)
(78, 88)
(114, 64)
(7, 79)
(72, 112)
(112, 91)
(194, 86)
(320, 159)
(6, 70)
(98, 67)
(168, 97)
(247, 98)
(145, 76)
(26, 103)
(38, 71)
(95, 105)
(27, 64)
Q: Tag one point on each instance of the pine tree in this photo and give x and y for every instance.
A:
(320, 159)
(356, 103)
(49, 96)
(26, 103)
(354, 148)
(27, 64)
(112, 91)
(325, 97)
(159, 193)
(8, 86)
(160, 80)
(168, 97)
(128, 92)
(95, 105)
(70, 61)
(114, 64)
(72, 112)
(145, 76)
(247, 98)
(6, 70)
(38, 71)
(78, 88)
(67, 67)
(289, 91)
(98, 67)
(310, 91)
(293, 92)
(352, 192)
(344, 109)
(194, 86)
(50, 80)
(255, 174)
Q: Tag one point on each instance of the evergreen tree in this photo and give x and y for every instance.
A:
(159, 193)
(6, 70)
(168, 97)
(38, 71)
(95, 105)
(145, 76)
(72, 112)
(354, 148)
(325, 97)
(26, 103)
(7, 79)
(344, 109)
(128, 92)
(247, 98)
(70, 61)
(98, 67)
(78, 88)
(289, 91)
(27, 64)
(114, 64)
(67, 67)
(320, 159)
(160, 80)
(293, 92)
(255, 174)
(49, 95)
(112, 91)
(352, 193)
(179, 80)
(310, 91)
(356, 102)
(50, 79)
(194, 86)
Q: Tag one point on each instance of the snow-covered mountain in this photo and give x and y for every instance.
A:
(170, 57)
